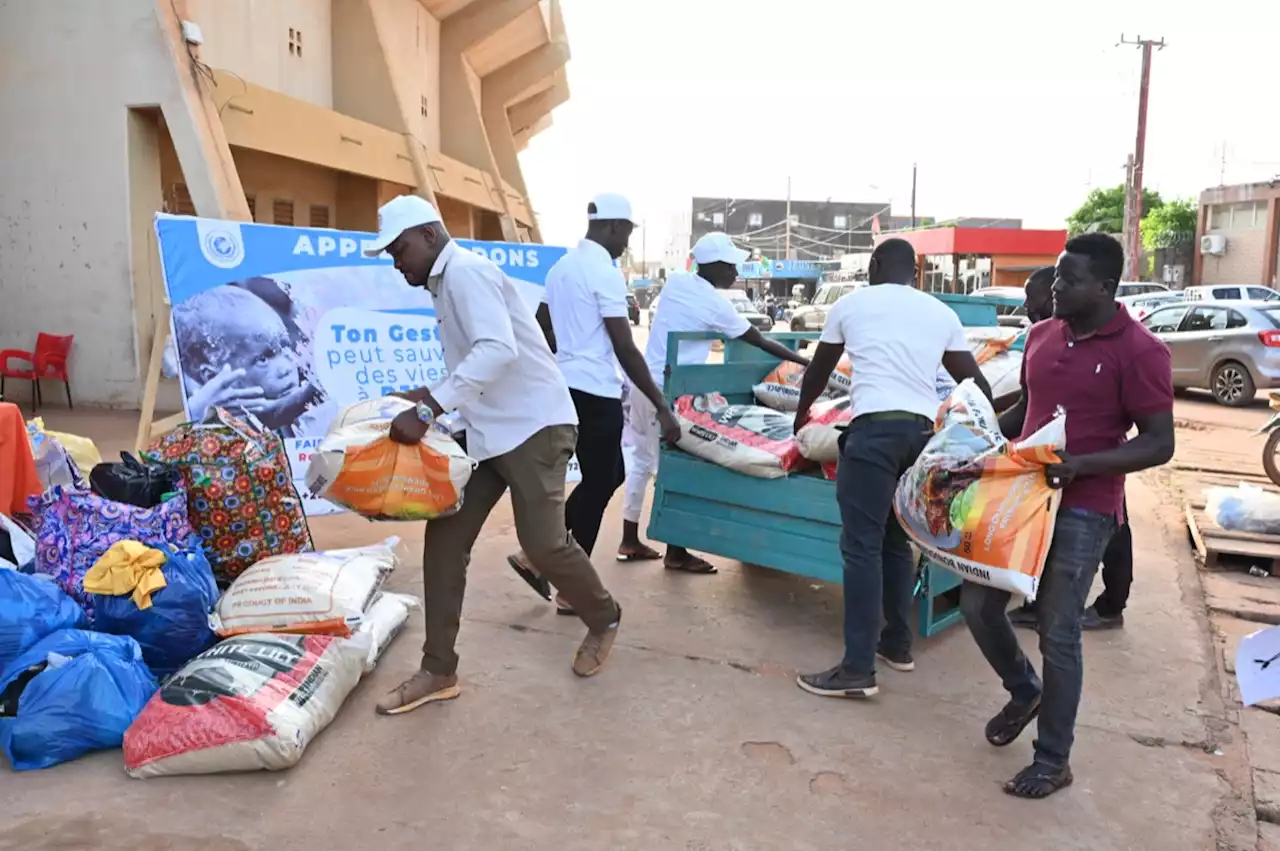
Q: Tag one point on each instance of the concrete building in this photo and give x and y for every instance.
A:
(304, 112)
(1243, 223)
(819, 229)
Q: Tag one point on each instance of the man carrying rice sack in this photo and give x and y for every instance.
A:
(519, 425)
(1108, 373)
(690, 302)
(897, 338)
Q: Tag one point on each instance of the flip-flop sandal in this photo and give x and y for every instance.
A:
(642, 554)
(1007, 726)
(563, 608)
(1038, 781)
(536, 582)
(693, 565)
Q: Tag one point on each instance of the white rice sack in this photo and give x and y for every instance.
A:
(251, 703)
(819, 439)
(325, 592)
(359, 466)
(1003, 372)
(749, 439)
(384, 621)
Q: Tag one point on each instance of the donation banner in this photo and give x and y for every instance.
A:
(296, 323)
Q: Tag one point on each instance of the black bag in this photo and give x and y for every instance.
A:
(133, 482)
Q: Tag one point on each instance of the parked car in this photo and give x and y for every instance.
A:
(1231, 348)
(1140, 305)
(743, 305)
(813, 316)
(633, 309)
(1124, 289)
(1231, 292)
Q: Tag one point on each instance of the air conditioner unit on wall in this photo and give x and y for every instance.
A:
(1213, 243)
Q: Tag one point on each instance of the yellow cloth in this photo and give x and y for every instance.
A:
(128, 566)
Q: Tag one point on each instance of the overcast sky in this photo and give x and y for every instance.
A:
(1008, 111)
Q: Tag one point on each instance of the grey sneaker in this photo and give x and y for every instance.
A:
(837, 682)
(595, 649)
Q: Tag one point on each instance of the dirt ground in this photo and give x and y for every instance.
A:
(695, 736)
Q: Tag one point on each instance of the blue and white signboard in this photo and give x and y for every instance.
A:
(296, 323)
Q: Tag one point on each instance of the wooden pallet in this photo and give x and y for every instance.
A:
(1222, 549)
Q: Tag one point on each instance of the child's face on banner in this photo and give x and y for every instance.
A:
(264, 353)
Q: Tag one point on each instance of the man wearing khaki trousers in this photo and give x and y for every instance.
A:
(518, 423)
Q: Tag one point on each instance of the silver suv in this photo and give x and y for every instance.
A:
(813, 316)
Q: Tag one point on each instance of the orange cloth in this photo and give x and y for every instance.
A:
(18, 479)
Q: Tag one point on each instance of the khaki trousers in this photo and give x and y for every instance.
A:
(534, 471)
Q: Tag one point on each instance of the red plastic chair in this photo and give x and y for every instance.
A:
(48, 361)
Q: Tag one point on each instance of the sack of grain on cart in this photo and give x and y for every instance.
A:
(978, 504)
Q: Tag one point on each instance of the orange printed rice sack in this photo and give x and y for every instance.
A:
(359, 466)
(780, 389)
(978, 504)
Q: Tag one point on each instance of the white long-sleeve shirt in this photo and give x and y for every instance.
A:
(503, 380)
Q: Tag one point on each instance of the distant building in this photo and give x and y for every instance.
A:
(1238, 235)
(819, 229)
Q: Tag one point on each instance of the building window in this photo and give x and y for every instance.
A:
(841, 222)
(295, 42)
(319, 216)
(1246, 216)
(423, 107)
(717, 219)
(282, 212)
(755, 220)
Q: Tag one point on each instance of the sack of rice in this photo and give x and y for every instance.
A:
(780, 389)
(323, 592)
(979, 505)
(819, 438)
(359, 466)
(749, 439)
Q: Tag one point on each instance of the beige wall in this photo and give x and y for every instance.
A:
(1243, 261)
(413, 54)
(66, 246)
(252, 39)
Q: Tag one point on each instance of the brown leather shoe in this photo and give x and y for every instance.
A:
(595, 649)
(422, 688)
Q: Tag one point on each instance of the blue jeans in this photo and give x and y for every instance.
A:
(1079, 539)
(879, 571)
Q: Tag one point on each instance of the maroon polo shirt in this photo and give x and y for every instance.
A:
(1104, 381)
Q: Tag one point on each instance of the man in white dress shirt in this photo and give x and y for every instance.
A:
(518, 423)
(584, 314)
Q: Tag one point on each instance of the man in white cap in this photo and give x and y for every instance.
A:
(690, 301)
(517, 421)
(584, 313)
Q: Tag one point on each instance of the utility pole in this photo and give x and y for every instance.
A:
(788, 251)
(1140, 148)
(1130, 261)
(913, 196)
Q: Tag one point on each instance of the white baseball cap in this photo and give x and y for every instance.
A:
(717, 247)
(397, 216)
(610, 208)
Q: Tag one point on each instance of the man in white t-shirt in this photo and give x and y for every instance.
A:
(689, 302)
(897, 338)
(585, 306)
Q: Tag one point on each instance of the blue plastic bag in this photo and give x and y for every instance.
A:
(79, 692)
(176, 627)
(31, 607)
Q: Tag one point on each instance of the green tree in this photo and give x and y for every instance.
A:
(1103, 210)
(1169, 224)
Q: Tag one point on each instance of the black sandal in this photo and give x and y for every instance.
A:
(1038, 781)
(536, 582)
(1009, 722)
(693, 564)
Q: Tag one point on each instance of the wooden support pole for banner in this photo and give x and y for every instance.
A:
(148, 426)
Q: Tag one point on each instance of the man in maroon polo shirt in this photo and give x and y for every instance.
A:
(1108, 373)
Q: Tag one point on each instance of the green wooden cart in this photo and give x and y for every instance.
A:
(790, 524)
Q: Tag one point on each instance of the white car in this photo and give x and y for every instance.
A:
(1231, 292)
(1139, 306)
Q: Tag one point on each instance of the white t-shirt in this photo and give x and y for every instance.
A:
(689, 303)
(895, 337)
(583, 289)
